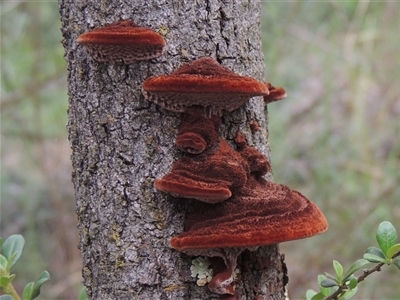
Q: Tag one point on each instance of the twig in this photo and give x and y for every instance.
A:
(366, 273)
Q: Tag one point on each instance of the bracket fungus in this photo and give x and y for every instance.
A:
(258, 163)
(264, 213)
(259, 213)
(275, 94)
(211, 176)
(202, 82)
(123, 41)
(237, 208)
(196, 133)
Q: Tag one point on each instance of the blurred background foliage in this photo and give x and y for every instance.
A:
(37, 198)
(335, 138)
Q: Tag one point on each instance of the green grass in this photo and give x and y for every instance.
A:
(335, 138)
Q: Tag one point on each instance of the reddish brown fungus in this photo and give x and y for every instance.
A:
(258, 163)
(222, 282)
(254, 126)
(275, 94)
(191, 142)
(196, 133)
(210, 176)
(264, 213)
(202, 82)
(213, 174)
(123, 41)
(258, 213)
(240, 141)
(179, 185)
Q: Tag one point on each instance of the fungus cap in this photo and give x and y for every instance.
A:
(275, 94)
(202, 82)
(182, 187)
(209, 177)
(123, 41)
(191, 142)
(267, 213)
(197, 133)
(258, 162)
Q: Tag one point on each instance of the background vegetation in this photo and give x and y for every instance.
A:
(335, 138)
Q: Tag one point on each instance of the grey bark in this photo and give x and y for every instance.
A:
(121, 143)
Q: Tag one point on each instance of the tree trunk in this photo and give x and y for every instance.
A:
(121, 143)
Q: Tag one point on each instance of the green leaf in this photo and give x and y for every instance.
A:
(11, 261)
(318, 296)
(328, 282)
(14, 244)
(1, 242)
(357, 265)
(3, 262)
(392, 250)
(309, 294)
(324, 291)
(83, 295)
(349, 294)
(329, 276)
(6, 297)
(396, 261)
(27, 293)
(6, 280)
(353, 283)
(375, 258)
(386, 235)
(38, 284)
(377, 252)
(338, 270)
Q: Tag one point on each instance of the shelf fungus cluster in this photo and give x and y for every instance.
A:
(237, 208)
(123, 41)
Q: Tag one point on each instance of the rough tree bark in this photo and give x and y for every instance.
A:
(121, 143)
